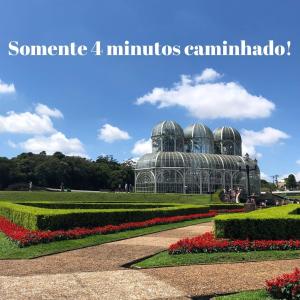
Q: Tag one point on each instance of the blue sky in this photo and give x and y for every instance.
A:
(61, 103)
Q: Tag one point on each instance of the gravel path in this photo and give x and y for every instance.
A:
(97, 272)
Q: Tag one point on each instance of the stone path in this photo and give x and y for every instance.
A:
(97, 272)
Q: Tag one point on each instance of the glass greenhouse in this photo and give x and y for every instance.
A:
(195, 161)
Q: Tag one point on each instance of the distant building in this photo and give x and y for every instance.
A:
(195, 160)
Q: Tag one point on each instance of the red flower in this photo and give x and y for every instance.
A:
(25, 237)
(285, 286)
(208, 243)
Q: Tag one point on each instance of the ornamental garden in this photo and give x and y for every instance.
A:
(34, 224)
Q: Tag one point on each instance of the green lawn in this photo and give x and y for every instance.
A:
(249, 295)
(163, 259)
(103, 197)
(9, 250)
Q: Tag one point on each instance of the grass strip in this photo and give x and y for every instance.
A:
(10, 250)
(163, 259)
(249, 295)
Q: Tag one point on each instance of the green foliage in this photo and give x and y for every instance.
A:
(291, 182)
(217, 196)
(75, 172)
(53, 219)
(267, 186)
(225, 206)
(103, 197)
(272, 223)
(164, 259)
(249, 295)
(10, 250)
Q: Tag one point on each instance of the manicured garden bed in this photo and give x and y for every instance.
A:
(10, 250)
(272, 223)
(37, 218)
(25, 237)
(207, 243)
(285, 286)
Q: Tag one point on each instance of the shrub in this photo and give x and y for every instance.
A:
(225, 206)
(25, 237)
(275, 223)
(285, 286)
(53, 219)
(208, 244)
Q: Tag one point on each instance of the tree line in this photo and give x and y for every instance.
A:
(104, 173)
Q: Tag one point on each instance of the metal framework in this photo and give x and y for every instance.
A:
(184, 162)
(197, 173)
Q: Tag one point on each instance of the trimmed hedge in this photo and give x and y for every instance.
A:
(118, 205)
(53, 219)
(225, 206)
(275, 223)
(67, 205)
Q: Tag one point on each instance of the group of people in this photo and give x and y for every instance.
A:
(128, 188)
(232, 195)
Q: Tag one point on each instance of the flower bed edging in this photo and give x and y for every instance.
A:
(207, 243)
(24, 237)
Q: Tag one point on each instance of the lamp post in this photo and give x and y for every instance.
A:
(248, 170)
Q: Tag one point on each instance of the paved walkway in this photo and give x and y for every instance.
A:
(97, 273)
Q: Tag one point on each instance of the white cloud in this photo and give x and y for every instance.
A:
(55, 142)
(110, 134)
(12, 144)
(266, 137)
(298, 162)
(30, 123)
(6, 88)
(44, 110)
(27, 122)
(210, 100)
(208, 75)
(142, 147)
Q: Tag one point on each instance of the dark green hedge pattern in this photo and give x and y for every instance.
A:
(59, 205)
(225, 206)
(53, 219)
(272, 223)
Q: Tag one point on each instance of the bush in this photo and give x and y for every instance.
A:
(53, 219)
(60, 205)
(278, 223)
(217, 196)
(207, 243)
(285, 286)
(225, 206)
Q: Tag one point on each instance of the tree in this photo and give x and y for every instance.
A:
(290, 182)
(75, 172)
(267, 186)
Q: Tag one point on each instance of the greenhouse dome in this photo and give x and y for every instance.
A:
(199, 139)
(227, 141)
(195, 170)
(167, 136)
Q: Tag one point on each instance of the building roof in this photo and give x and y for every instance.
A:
(227, 133)
(167, 128)
(193, 160)
(198, 130)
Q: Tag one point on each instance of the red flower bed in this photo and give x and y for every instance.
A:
(25, 237)
(285, 286)
(208, 243)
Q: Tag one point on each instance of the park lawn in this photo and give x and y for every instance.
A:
(10, 250)
(249, 295)
(163, 259)
(105, 197)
